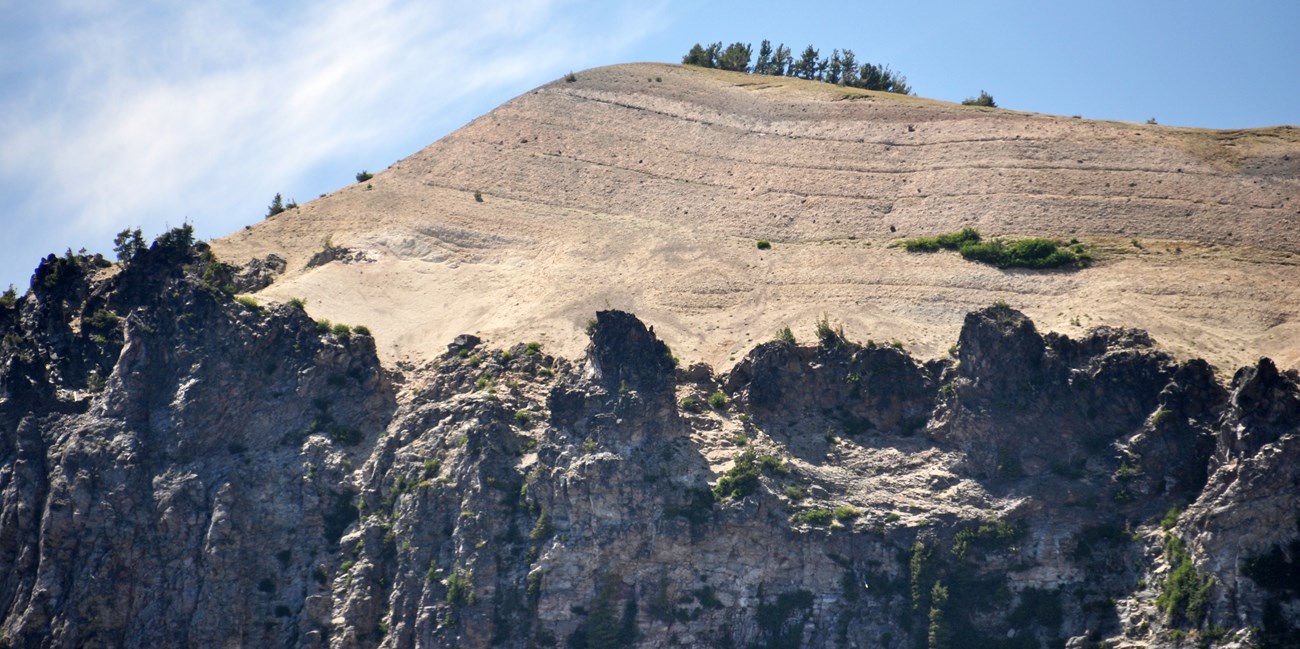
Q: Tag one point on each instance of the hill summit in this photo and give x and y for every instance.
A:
(646, 187)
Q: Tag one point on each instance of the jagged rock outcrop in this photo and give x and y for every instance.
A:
(181, 468)
(169, 468)
(258, 274)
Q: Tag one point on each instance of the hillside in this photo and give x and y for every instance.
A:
(951, 457)
(644, 187)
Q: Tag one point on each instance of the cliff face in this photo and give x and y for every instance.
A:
(180, 468)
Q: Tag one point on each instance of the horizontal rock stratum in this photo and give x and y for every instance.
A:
(645, 187)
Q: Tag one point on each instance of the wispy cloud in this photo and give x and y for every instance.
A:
(116, 114)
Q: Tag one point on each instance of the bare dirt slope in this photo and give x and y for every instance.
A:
(644, 187)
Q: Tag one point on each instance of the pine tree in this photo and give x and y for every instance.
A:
(764, 62)
(939, 634)
(696, 57)
(127, 243)
(849, 63)
(781, 61)
(806, 66)
(713, 52)
(736, 57)
(835, 70)
(276, 206)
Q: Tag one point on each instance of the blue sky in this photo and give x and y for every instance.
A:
(147, 113)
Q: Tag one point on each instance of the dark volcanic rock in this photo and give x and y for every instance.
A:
(1001, 354)
(625, 355)
(1265, 406)
(177, 467)
(258, 274)
(853, 388)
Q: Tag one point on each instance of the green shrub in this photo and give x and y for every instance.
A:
(785, 335)
(814, 517)
(1035, 253)
(988, 535)
(1185, 594)
(248, 302)
(339, 433)
(478, 196)
(828, 336)
(533, 348)
(764, 244)
(951, 241)
(543, 529)
(431, 468)
(323, 326)
(523, 417)
(984, 99)
(742, 478)
(689, 403)
(1160, 416)
(1023, 253)
(364, 175)
(103, 319)
(361, 330)
(845, 513)
(341, 330)
(1170, 519)
(297, 303)
(939, 633)
(460, 592)
(718, 400)
(570, 78)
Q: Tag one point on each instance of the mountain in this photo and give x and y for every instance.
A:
(645, 188)
(485, 463)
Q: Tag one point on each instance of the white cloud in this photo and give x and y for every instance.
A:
(144, 112)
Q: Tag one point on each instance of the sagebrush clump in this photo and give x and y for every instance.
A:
(1033, 253)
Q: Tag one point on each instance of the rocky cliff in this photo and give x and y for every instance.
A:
(179, 468)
